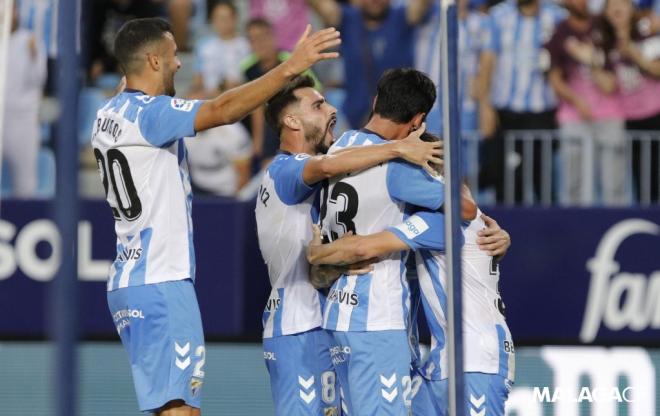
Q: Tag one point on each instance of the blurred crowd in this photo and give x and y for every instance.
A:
(588, 70)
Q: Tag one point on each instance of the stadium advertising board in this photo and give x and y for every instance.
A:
(571, 276)
(582, 276)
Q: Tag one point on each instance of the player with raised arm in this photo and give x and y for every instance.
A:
(137, 141)
(296, 349)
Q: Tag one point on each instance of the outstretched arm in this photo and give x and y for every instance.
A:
(352, 249)
(236, 103)
(355, 159)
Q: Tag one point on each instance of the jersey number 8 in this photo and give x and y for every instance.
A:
(122, 184)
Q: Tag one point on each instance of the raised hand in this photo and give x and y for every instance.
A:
(310, 49)
(421, 153)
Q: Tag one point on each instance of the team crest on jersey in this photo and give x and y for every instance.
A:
(195, 386)
(330, 411)
(182, 105)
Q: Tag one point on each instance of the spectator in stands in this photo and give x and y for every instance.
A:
(288, 17)
(515, 92)
(219, 160)
(376, 36)
(634, 49)
(218, 57)
(265, 56)
(589, 111)
(26, 76)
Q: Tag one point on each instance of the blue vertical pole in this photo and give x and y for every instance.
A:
(452, 139)
(64, 294)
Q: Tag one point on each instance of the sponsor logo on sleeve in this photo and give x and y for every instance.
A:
(413, 227)
(182, 105)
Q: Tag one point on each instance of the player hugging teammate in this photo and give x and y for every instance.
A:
(373, 208)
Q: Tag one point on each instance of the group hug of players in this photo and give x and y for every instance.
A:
(338, 323)
(337, 221)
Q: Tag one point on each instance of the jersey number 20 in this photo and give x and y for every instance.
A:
(123, 187)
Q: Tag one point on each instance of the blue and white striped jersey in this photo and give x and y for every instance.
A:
(519, 81)
(137, 141)
(285, 209)
(367, 202)
(487, 342)
(474, 36)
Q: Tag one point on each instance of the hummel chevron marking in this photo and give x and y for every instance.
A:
(182, 364)
(391, 395)
(388, 382)
(477, 402)
(306, 383)
(482, 412)
(307, 398)
(182, 351)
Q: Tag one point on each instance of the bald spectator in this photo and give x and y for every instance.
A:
(376, 36)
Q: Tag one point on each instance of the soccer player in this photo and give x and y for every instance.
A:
(296, 348)
(137, 140)
(489, 350)
(367, 314)
(489, 359)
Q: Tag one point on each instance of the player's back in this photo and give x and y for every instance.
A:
(142, 162)
(488, 344)
(359, 202)
(284, 227)
(368, 202)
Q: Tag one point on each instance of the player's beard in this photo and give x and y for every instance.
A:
(168, 83)
(314, 135)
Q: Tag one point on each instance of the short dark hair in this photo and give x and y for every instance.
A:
(258, 22)
(429, 137)
(403, 93)
(284, 98)
(133, 36)
(218, 3)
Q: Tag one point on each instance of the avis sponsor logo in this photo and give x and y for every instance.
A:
(182, 105)
(273, 304)
(345, 297)
(129, 254)
(619, 299)
(270, 356)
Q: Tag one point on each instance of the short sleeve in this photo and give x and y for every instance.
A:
(413, 185)
(422, 231)
(287, 174)
(165, 119)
